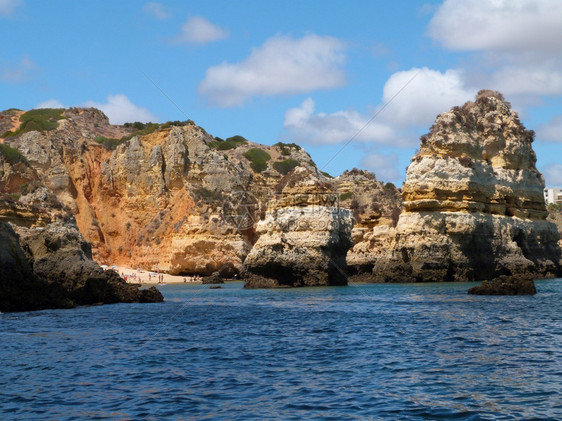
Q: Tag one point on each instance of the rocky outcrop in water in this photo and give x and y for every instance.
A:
(473, 205)
(506, 285)
(303, 239)
(52, 267)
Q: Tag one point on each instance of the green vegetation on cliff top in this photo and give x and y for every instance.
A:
(41, 120)
(229, 143)
(286, 147)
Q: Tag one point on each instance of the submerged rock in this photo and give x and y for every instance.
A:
(304, 237)
(506, 285)
(215, 278)
(473, 203)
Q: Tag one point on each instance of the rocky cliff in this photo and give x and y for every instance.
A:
(161, 197)
(473, 205)
(44, 260)
(303, 239)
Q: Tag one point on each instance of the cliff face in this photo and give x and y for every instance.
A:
(167, 198)
(376, 207)
(44, 260)
(303, 239)
(473, 205)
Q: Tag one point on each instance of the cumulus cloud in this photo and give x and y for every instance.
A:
(414, 98)
(501, 25)
(50, 103)
(7, 7)
(384, 166)
(305, 126)
(281, 66)
(552, 130)
(553, 174)
(198, 30)
(426, 93)
(156, 9)
(545, 79)
(19, 71)
(121, 110)
(518, 41)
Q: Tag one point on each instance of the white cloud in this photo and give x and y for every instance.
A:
(545, 79)
(50, 103)
(7, 7)
(305, 126)
(552, 130)
(553, 175)
(499, 25)
(281, 66)
(419, 96)
(19, 71)
(198, 30)
(426, 93)
(384, 166)
(121, 110)
(156, 9)
(518, 41)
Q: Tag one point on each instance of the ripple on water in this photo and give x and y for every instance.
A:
(365, 351)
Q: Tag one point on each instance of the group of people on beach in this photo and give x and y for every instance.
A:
(194, 278)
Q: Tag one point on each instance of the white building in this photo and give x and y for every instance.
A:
(553, 195)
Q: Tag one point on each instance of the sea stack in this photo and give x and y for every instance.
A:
(473, 203)
(304, 237)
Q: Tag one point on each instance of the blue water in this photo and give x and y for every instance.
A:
(357, 352)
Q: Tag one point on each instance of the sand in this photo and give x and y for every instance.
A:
(145, 277)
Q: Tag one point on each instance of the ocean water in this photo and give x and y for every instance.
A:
(425, 351)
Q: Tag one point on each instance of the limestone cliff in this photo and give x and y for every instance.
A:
(303, 239)
(157, 196)
(44, 260)
(376, 207)
(473, 205)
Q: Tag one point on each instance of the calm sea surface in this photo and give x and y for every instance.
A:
(356, 352)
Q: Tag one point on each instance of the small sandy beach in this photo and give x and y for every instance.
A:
(142, 276)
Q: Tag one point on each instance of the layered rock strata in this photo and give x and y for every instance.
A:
(473, 205)
(303, 239)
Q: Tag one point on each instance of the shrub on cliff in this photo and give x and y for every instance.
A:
(286, 147)
(109, 143)
(229, 143)
(258, 159)
(286, 165)
(41, 120)
(13, 156)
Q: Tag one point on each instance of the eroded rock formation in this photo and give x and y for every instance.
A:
(303, 239)
(473, 205)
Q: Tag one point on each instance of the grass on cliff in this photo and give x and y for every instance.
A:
(41, 120)
(258, 159)
(286, 165)
(13, 156)
(229, 143)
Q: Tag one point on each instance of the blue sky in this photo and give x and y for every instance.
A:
(317, 73)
